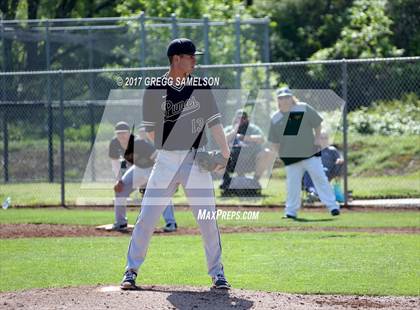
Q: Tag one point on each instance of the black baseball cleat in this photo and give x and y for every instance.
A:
(288, 216)
(335, 212)
(129, 280)
(170, 227)
(119, 227)
(220, 282)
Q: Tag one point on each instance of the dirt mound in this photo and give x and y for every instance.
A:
(167, 297)
(12, 231)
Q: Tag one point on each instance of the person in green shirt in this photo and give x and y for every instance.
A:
(295, 134)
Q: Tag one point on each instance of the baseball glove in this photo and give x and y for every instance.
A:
(210, 160)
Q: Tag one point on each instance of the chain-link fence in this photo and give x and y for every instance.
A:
(138, 41)
(56, 125)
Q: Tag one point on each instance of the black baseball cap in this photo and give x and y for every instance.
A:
(122, 127)
(182, 46)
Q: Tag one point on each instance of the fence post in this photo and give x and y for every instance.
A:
(91, 118)
(2, 42)
(206, 40)
(3, 50)
(142, 40)
(90, 64)
(49, 106)
(5, 146)
(3, 97)
(345, 128)
(62, 162)
(266, 56)
(92, 142)
(238, 50)
(174, 26)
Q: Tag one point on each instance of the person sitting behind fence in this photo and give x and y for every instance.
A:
(333, 166)
(246, 142)
(132, 159)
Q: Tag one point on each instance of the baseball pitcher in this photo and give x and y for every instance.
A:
(175, 116)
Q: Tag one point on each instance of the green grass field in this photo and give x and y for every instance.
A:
(185, 218)
(293, 261)
(275, 193)
(322, 262)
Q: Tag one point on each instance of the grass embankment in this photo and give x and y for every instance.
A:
(379, 167)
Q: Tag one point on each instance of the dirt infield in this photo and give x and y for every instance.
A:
(12, 231)
(177, 297)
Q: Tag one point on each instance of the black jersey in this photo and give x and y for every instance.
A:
(178, 115)
(138, 152)
(116, 150)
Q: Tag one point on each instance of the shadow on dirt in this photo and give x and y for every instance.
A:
(213, 299)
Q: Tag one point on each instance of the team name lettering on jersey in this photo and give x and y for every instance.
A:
(181, 108)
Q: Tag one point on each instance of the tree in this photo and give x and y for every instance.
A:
(301, 27)
(406, 26)
(32, 51)
(222, 38)
(368, 34)
(8, 11)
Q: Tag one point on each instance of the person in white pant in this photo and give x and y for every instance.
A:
(138, 155)
(175, 116)
(295, 134)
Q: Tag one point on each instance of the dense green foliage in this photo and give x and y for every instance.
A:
(300, 29)
(396, 117)
(367, 35)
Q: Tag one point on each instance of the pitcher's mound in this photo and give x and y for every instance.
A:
(185, 297)
(108, 227)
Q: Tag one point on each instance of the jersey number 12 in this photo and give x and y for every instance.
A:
(197, 125)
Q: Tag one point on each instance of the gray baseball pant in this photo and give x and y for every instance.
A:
(173, 168)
